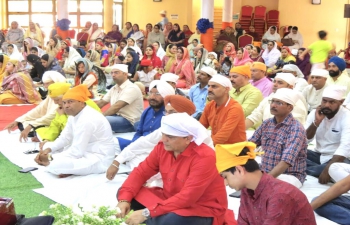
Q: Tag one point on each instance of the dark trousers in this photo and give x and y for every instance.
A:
(337, 210)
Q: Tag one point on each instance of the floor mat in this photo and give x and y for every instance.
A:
(9, 113)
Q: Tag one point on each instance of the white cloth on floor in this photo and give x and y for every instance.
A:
(290, 179)
(339, 171)
(91, 145)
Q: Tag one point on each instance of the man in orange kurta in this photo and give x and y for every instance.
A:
(224, 115)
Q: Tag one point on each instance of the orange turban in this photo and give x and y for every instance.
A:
(259, 66)
(180, 103)
(79, 93)
(242, 70)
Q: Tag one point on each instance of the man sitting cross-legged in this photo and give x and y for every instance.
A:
(87, 139)
(193, 191)
(264, 199)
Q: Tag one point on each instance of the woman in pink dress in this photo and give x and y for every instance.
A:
(184, 69)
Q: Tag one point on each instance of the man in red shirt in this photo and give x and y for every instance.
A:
(192, 193)
(264, 199)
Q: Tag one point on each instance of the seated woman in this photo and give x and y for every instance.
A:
(255, 55)
(38, 69)
(3, 62)
(191, 47)
(242, 58)
(228, 51)
(103, 51)
(34, 32)
(304, 65)
(169, 58)
(132, 44)
(114, 36)
(37, 51)
(188, 33)
(94, 57)
(51, 64)
(59, 56)
(112, 49)
(54, 47)
(286, 58)
(270, 35)
(296, 37)
(254, 34)
(13, 36)
(223, 38)
(156, 36)
(146, 73)
(249, 48)
(132, 60)
(271, 54)
(27, 45)
(13, 53)
(146, 34)
(150, 54)
(71, 56)
(123, 43)
(184, 69)
(239, 31)
(176, 36)
(159, 50)
(168, 28)
(85, 75)
(199, 62)
(136, 35)
(17, 87)
(94, 33)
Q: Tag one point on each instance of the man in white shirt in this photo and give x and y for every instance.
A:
(313, 92)
(87, 139)
(300, 82)
(126, 101)
(329, 124)
(262, 112)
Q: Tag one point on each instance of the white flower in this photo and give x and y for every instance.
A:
(66, 217)
(111, 217)
(118, 210)
(80, 223)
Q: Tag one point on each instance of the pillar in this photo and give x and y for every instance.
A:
(207, 12)
(108, 15)
(3, 15)
(227, 11)
(62, 13)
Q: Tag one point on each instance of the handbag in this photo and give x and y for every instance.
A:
(287, 42)
(7, 211)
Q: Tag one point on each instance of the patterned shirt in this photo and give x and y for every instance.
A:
(285, 141)
(274, 202)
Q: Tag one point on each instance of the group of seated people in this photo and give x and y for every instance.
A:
(186, 147)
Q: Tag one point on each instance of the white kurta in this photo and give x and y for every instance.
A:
(43, 114)
(300, 84)
(313, 97)
(262, 112)
(332, 135)
(88, 142)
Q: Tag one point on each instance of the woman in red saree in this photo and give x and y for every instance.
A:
(184, 69)
(151, 55)
(188, 33)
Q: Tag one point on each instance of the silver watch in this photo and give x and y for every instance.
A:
(146, 213)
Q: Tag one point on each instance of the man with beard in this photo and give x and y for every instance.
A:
(283, 140)
(224, 115)
(198, 92)
(151, 117)
(329, 124)
(337, 73)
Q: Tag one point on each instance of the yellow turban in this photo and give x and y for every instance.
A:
(58, 89)
(242, 70)
(259, 66)
(79, 93)
(227, 155)
(14, 62)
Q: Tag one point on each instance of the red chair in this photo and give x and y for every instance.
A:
(82, 37)
(72, 34)
(260, 12)
(246, 12)
(272, 15)
(245, 40)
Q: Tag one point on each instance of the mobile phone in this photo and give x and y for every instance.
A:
(28, 169)
(33, 151)
(236, 194)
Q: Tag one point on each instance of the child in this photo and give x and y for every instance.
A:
(212, 61)
(146, 73)
(226, 66)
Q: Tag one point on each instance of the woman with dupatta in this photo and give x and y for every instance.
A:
(270, 35)
(3, 62)
(286, 58)
(176, 36)
(38, 70)
(228, 51)
(169, 58)
(112, 50)
(168, 28)
(201, 56)
(85, 75)
(94, 33)
(136, 35)
(34, 32)
(242, 58)
(114, 36)
(27, 45)
(132, 60)
(94, 57)
(150, 54)
(104, 56)
(157, 46)
(188, 33)
(305, 65)
(132, 44)
(184, 69)
(54, 47)
(17, 87)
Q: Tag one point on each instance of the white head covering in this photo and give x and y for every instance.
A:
(208, 70)
(335, 92)
(170, 77)
(160, 53)
(320, 73)
(163, 88)
(73, 56)
(287, 95)
(15, 54)
(183, 125)
(294, 52)
(121, 67)
(271, 57)
(222, 80)
(294, 68)
(214, 54)
(287, 77)
(53, 76)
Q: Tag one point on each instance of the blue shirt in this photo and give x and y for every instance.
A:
(199, 97)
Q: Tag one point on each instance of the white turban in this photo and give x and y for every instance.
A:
(320, 73)
(214, 54)
(163, 88)
(53, 76)
(208, 70)
(287, 77)
(170, 77)
(294, 68)
(287, 95)
(121, 67)
(183, 125)
(222, 80)
(334, 92)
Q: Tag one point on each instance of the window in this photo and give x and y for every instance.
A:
(118, 13)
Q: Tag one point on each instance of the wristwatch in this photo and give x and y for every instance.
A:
(146, 213)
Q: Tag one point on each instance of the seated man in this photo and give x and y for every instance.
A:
(243, 92)
(329, 124)
(151, 117)
(283, 140)
(137, 151)
(313, 92)
(87, 139)
(300, 82)
(198, 92)
(337, 73)
(42, 115)
(259, 79)
(264, 199)
(224, 115)
(262, 113)
(171, 79)
(193, 192)
(126, 101)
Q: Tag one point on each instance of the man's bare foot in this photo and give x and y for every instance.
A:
(35, 139)
(64, 175)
